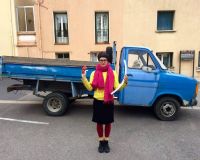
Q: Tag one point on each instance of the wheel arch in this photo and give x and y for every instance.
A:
(178, 98)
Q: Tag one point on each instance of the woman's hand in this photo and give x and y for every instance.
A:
(126, 79)
(84, 71)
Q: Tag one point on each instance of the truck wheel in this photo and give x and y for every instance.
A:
(166, 108)
(55, 104)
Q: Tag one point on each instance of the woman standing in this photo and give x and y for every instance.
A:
(103, 80)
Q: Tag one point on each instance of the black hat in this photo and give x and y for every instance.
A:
(102, 54)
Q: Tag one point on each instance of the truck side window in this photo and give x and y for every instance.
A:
(134, 61)
(149, 62)
(138, 59)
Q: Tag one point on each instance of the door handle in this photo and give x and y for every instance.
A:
(129, 75)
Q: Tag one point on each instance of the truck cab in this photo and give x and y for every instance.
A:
(151, 84)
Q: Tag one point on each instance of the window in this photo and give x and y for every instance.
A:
(25, 18)
(62, 55)
(199, 60)
(137, 60)
(166, 58)
(94, 57)
(61, 28)
(134, 61)
(101, 27)
(165, 20)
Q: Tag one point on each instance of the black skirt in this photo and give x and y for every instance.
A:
(102, 113)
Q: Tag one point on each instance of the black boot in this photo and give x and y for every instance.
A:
(106, 147)
(101, 148)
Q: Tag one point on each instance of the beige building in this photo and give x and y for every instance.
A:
(67, 29)
(169, 28)
(78, 29)
(7, 29)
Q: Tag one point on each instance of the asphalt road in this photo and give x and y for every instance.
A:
(28, 133)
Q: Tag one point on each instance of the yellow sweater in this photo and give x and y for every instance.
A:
(99, 93)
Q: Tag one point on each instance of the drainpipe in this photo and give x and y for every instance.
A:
(40, 28)
(12, 32)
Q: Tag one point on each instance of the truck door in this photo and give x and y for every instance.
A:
(142, 78)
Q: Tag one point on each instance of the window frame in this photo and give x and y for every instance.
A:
(57, 53)
(94, 56)
(170, 58)
(17, 15)
(173, 20)
(199, 60)
(54, 22)
(144, 59)
(96, 13)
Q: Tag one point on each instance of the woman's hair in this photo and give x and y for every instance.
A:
(102, 54)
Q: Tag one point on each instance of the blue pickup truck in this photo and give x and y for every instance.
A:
(150, 83)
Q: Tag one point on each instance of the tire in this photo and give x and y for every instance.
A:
(166, 108)
(55, 104)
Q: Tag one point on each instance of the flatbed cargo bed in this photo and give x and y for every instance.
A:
(43, 69)
(50, 62)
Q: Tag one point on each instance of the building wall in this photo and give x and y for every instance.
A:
(28, 48)
(81, 25)
(7, 29)
(140, 28)
(131, 22)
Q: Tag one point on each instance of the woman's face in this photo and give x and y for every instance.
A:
(103, 61)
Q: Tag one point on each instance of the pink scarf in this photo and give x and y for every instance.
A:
(98, 81)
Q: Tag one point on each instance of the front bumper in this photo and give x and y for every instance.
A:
(193, 102)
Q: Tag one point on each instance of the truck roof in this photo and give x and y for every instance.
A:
(143, 47)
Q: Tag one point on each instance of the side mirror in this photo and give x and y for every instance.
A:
(146, 69)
